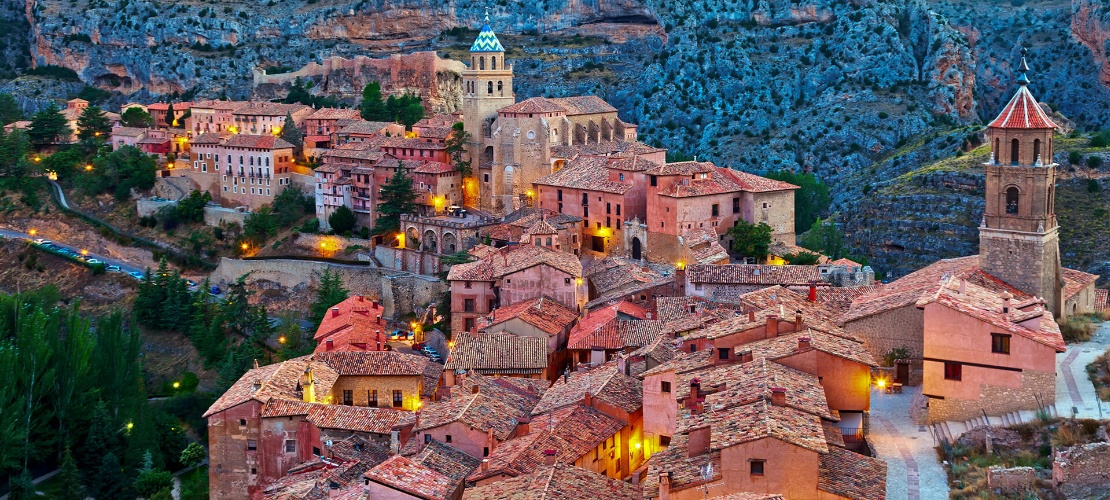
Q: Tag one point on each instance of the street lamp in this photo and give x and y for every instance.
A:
(281, 339)
(177, 385)
(84, 253)
(88, 167)
(33, 232)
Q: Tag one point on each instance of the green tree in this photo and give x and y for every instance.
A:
(72, 489)
(192, 454)
(135, 117)
(825, 237)
(811, 199)
(372, 107)
(93, 124)
(342, 220)
(170, 115)
(456, 148)
(109, 482)
(1094, 161)
(151, 479)
(751, 240)
(10, 111)
(191, 208)
(21, 487)
(13, 154)
(802, 258)
(397, 197)
(329, 292)
(260, 225)
(48, 126)
(291, 133)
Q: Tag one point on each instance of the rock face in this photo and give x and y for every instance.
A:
(861, 92)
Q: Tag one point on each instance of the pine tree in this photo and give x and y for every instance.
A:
(71, 478)
(342, 220)
(135, 117)
(456, 148)
(48, 126)
(109, 483)
(329, 292)
(93, 124)
(21, 487)
(372, 108)
(169, 115)
(291, 133)
(398, 197)
(9, 109)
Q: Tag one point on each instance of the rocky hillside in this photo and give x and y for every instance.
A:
(862, 92)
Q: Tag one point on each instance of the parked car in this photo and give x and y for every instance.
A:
(417, 346)
(112, 269)
(137, 275)
(215, 290)
(93, 262)
(42, 242)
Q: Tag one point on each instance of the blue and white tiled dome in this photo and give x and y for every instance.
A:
(487, 41)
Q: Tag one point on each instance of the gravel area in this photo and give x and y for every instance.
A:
(913, 471)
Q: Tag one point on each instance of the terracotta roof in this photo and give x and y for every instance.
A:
(588, 173)
(1102, 299)
(279, 380)
(514, 258)
(838, 299)
(217, 104)
(206, 138)
(498, 353)
(683, 168)
(268, 109)
(409, 476)
(534, 105)
(851, 475)
(363, 127)
(541, 227)
(753, 274)
(1022, 112)
(434, 167)
(411, 143)
(357, 321)
(349, 418)
(737, 383)
(544, 313)
(356, 154)
(786, 345)
(789, 303)
(373, 363)
(605, 383)
(750, 422)
(493, 407)
(256, 141)
(986, 305)
(583, 105)
(572, 432)
(602, 329)
(555, 482)
(685, 471)
(607, 148)
(334, 114)
(1076, 281)
(129, 131)
(910, 288)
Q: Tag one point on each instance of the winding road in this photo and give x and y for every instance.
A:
(124, 266)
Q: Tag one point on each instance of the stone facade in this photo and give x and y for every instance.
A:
(1082, 471)
(900, 327)
(996, 399)
(229, 435)
(1013, 480)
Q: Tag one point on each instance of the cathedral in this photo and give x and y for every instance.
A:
(512, 144)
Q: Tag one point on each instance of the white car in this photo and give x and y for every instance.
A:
(41, 241)
(93, 262)
(112, 269)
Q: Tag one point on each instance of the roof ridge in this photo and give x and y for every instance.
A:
(547, 484)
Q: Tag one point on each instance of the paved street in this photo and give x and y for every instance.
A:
(124, 266)
(913, 471)
(1073, 388)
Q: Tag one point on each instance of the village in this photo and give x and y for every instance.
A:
(604, 335)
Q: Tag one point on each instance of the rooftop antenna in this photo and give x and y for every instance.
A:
(1022, 78)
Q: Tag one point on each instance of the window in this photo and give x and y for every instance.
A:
(654, 181)
(468, 324)
(254, 471)
(1000, 343)
(716, 209)
(290, 446)
(608, 208)
(252, 445)
(722, 352)
(618, 210)
(566, 281)
(757, 467)
(242, 422)
(693, 348)
(372, 398)
(1012, 200)
(1036, 149)
(447, 438)
(607, 222)
(953, 371)
(468, 305)
(348, 397)
(489, 87)
(697, 286)
(736, 205)
(466, 284)
(398, 401)
(664, 440)
(559, 194)
(485, 177)
(1014, 150)
(665, 386)
(427, 438)
(620, 176)
(585, 212)
(485, 451)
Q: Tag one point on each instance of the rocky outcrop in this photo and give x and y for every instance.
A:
(1090, 24)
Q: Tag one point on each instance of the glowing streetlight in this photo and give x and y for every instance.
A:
(130, 425)
(244, 246)
(84, 253)
(451, 344)
(88, 167)
(281, 339)
(680, 265)
(881, 383)
(177, 385)
(33, 232)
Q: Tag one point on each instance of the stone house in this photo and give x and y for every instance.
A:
(212, 116)
(436, 472)
(267, 118)
(605, 332)
(438, 186)
(126, 136)
(356, 131)
(416, 148)
(985, 352)
(544, 318)
(354, 324)
(537, 226)
(503, 277)
(725, 283)
(346, 177)
(322, 123)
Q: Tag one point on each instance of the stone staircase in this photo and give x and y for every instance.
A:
(952, 430)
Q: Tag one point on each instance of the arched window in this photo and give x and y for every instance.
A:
(493, 63)
(1036, 150)
(489, 88)
(1012, 200)
(1014, 152)
(500, 88)
(482, 62)
(997, 151)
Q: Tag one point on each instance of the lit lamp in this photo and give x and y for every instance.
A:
(177, 385)
(33, 232)
(281, 339)
(881, 383)
(88, 167)
(84, 252)
(680, 265)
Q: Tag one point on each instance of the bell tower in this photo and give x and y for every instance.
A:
(1019, 239)
(487, 87)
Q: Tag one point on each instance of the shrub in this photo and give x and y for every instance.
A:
(1094, 161)
(1092, 186)
(895, 354)
(1077, 329)
(1074, 158)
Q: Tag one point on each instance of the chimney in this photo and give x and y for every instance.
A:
(622, 365)
(379, 317)
(523, 426)
(375, 305)
(772, 326)
(698, 443)
(329, 345)
(1006, 296)
(379, 346)
(778, 396)
(549, 457)
(588, 400)
(475, 389)
(490, 441)
(664, 486)
(334, 312)
(745, 356)
(751, 316)
(963, 287)
(812, 292)
(485, 465)
(256, 363)
(797, 320)
(803, 343)
(361, 298)
(723, 356)
(395, 442)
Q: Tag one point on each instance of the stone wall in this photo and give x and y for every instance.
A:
(1082, 471)
(896, 328)
(1036, 387)
(1012, 480)
(400, 292)
(213, 216)
(147, 207)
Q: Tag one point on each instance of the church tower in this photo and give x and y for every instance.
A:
(487, 87)
(1019, 239)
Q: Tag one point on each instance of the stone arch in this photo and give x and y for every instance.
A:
(1015, 151)
(430, 243)
(500, 88)
(1036, 150)
(482, 62)
(1013, 200)
(450, 243)
(412, 236)
(489, 88)
(487, 155)
(493, 62)
(509, 178)
(997, 150)
(637, 252)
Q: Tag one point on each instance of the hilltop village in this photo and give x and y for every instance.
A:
(604, 341)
